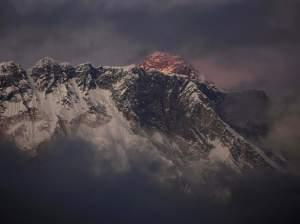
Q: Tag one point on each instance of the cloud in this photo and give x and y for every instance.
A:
(284, 135)
(193, 28)
(61, 185)
(272, 69)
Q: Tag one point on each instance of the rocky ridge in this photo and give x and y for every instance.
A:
(174, 116)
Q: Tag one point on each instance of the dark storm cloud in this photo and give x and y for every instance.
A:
(60, 186)
(235, 24)
(96, 30)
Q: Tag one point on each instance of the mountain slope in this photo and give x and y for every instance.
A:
(126, 108)
(245, 111)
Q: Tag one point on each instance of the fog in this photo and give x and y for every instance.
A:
(70, 181)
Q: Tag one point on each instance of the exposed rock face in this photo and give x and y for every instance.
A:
(127, 107)
(246, 112)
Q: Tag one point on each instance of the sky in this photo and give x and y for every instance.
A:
(235, 43)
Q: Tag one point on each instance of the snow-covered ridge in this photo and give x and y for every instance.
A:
(9, 68)
(129, 107)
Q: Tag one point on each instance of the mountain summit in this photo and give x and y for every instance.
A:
(170, 64)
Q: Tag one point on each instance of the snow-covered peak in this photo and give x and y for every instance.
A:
(9, 68)
(86, 75)
(125, 68)
(11, 74)
(169, 64)
(46, 66)
(46, 61)
(68, 69)
(66, 66)
(85, 68)
(87, 71)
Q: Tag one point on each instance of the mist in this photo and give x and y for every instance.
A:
(70, 181)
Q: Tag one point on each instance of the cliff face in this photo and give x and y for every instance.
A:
(246, 111)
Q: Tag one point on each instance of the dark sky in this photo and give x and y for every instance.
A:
(236, 43)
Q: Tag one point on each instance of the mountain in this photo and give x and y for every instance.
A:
(169, 64)
(180, 118)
